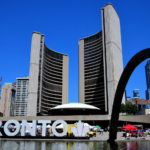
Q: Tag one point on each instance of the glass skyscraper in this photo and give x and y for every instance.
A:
(147, 71)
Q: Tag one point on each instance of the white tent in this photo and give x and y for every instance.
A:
(61, 126)
(48, 126)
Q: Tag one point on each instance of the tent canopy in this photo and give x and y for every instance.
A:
(97, 126)
(129, 127)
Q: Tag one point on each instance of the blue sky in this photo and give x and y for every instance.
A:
(64, 22)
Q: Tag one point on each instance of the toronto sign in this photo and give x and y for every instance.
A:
(12, 128)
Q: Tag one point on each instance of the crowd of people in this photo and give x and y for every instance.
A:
(136, 134)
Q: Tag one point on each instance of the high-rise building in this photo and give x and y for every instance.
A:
(136, 93)
(100, 63)
(21, 97)
(0, 87)
(7, 104)
(48, 79)
(147, 72)
(0, 92)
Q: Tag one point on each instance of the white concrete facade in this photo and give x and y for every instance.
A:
(65, 80)
(113, 51)
(34, 74)
(112, 58)
(81, 72)
(48, 79)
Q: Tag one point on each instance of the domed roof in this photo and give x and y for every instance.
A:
(75, 106)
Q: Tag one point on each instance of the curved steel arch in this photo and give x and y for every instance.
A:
(132, 64)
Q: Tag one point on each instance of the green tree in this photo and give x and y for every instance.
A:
(1, 115)
(123, 108)
(131, 108)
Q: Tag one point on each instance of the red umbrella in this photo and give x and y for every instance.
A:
(129, 127)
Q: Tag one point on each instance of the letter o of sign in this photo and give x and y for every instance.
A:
(0, 127)
(65, 128)
(6, 130)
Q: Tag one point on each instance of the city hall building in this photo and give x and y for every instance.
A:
(100, 63)
(48, 79)
(100, 67)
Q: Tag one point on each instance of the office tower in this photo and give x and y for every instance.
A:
(0, 91)
(147, 72)
(100, 63)
(7, 105)
(136, 93)
(21, 98)
(48, 79)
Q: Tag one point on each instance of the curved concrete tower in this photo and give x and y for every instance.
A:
(100, 63)
(48, 80)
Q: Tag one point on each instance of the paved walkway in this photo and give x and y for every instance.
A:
(105, 135)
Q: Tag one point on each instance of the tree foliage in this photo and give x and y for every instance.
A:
(129, 108)
(1, 115)
(123, 108)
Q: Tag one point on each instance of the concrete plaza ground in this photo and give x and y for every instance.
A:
(105, 136)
